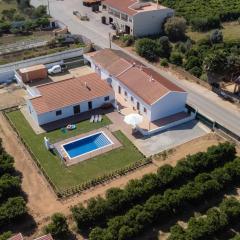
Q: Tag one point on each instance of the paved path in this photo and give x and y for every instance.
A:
(204, 100)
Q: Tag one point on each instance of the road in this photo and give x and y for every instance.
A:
(204, 100)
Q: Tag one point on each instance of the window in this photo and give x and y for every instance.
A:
(132, 100)
(119, 89)
(125, 93)
(59, 112)
(106, 99)
(89, 105)
(145, 110)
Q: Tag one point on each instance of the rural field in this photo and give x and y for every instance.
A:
(66, 177)
(231, 32)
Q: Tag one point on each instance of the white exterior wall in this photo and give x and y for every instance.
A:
(118, 21)
(150, 22)
(32, 111)
(169, 104)
(67, 111)
(116, 84)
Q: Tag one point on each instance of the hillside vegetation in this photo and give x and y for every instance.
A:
(226, 10)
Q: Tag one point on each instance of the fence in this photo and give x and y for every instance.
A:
(214, 125)
(81, 187)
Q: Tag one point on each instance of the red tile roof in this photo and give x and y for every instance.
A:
(16, 237)
(45, 237)
(135, 75)
(143, 85)
(68, 92)
(118, 67)
(122, 5)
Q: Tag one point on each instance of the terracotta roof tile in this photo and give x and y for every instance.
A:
(118, 66)
(136, 78)
(122, 5)
(143, 85)
(16, 237)
(69, 92)
(45, 237)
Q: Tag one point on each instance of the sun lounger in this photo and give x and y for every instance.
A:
(91, 119)
(96, 118)
(99, 118)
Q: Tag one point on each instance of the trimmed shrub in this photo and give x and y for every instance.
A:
(176, 58)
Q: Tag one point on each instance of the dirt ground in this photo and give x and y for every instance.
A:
(42, 202)
(11, 95)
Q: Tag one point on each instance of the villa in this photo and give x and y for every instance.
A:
(135, 17)
(140, 89)
(57, 100)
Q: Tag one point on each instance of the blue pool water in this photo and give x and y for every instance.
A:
(86, 144)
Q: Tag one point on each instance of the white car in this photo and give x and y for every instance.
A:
(54, 69)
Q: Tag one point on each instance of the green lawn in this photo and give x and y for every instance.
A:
(64, 177)
(231, 31)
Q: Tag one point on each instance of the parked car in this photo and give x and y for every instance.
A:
(55, 69)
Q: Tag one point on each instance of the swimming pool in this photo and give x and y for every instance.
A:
(87, 144)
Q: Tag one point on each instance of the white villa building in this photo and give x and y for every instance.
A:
(54, 101)
(135, 17)
(140, 87)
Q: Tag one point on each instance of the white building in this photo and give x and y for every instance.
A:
(134, 17)
(66, 98)
(146, 91)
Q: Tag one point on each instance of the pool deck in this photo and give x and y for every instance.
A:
(70, 161)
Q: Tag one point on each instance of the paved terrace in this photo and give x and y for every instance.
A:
(125, 109)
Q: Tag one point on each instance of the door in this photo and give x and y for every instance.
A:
(76, 109)
(138, 105)
(127, 29)
(89, 105)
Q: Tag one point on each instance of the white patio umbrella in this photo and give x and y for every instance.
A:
(133, 119)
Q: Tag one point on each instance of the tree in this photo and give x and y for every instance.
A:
(40, 12)
(165, 47)
(58, 227)
(147, 48)
(196, 71)
(175, 28)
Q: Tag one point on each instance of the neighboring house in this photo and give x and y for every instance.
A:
(20, 237)
(146, 91)
(134, 17)
(66, 98)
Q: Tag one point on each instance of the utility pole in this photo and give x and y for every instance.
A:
(48, 5)
(110, 40)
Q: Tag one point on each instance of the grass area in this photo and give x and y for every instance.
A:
(64, 177)
(231, 31)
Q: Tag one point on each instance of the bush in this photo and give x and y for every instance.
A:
(205, 24)
(196, 71)
(165, 47)
(216, 37)
(58, 227)
(192, 62)
(175, 28)
(176, 58)
(147, 48)
(128, 40)
(6, 235)
(164, 62)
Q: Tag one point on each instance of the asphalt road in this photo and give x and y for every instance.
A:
(204, 100)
